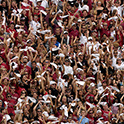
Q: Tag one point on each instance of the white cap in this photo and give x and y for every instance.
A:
(92, 84)
(79, 69)
(52, 82)
(65, 32)
(79, 20)
(12, 78)
(80, 53)
(104, 44)
(35, 122)
(25, 57)
(80, 82)
(90, 38)
(73, 24)
(39, 0)
(114, 118)
(28, 40)
(24, 121)
(86, 7)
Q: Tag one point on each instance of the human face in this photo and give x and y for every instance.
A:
(25, 62)
(5, 82)
(64, 99)
(54, 40)
(105, 107)
(12, 26)
(12, 89)
(67, 63)
(83, 113)
(46, 62)
(115, 53)
(34, 65)
(39, 112)
(105, 26)
(119, 61)
(15, 49)
(110, 62)
(35, 18)
(9, 97)
(91, 113)
(58, 31)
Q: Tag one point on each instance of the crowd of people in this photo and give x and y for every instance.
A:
(61, 61)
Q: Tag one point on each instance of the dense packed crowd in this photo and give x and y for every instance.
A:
(61, 61)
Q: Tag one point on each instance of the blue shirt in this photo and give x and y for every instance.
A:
(57, 44)
(84, 120)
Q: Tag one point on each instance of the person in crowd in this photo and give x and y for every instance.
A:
(61, 62)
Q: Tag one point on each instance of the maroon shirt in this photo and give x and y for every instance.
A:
(104, 31)
(121, 41)
(15, 97)
(74, 34)
(91, 119)
(105, 115)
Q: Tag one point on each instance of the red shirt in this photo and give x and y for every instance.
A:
(104, 31)
(40, 8)
(90, 4)
(9, 30)
(15, 97)
(91, 119)
(88, 96)
(27, 69)
(3, 65)
(72, 14)
(11, 104)
(117, 37)
(105, 115)
(106, 21)
(74, 34)
(19, 90)
(74, 117)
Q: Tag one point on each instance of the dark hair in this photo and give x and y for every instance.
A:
(34, 62)
(85, 1)
(76, 5)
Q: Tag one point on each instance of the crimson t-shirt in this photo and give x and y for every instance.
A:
(88, 96)
(91, 119)
(105, 115)
(27, 69)
(104, 31)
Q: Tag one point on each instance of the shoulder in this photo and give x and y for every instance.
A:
(86, 119)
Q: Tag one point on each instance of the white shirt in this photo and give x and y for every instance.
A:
(119, 9)
(114, 61)
(35, 26)
(119, 66)
(96, 46)
(68, 70)
(113, 35)
(83, 39)
(44, 4)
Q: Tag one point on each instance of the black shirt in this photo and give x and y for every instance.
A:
(33, 72)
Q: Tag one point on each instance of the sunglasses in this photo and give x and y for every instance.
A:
(24, 62)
